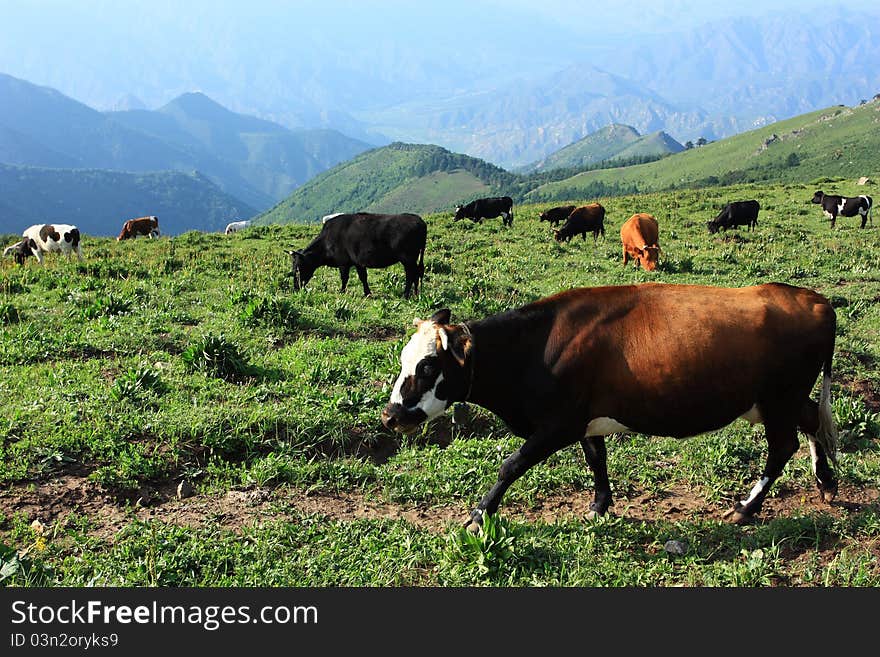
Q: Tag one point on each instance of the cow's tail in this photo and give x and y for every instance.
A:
(826, 434)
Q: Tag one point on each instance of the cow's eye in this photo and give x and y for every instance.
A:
(427, 369)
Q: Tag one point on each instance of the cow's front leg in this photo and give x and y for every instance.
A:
(343, 274)
(534, 450)
(362, 274)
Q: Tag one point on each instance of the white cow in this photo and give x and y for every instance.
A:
(53, 238)
(236, 226)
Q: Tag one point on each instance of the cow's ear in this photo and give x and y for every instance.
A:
(457, 343)
(441, 317)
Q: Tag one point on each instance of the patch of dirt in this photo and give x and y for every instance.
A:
(57, 499)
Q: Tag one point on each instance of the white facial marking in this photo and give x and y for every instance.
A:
(602, 426)
(752, 415)
(756, 491)
(422, 345)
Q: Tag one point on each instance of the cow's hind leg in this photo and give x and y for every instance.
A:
(533, 451)
(808, 422)
(596, 457)
(412, 279)
(782, 443)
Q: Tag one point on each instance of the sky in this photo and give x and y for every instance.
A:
(290, 60)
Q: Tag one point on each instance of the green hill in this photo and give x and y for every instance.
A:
(613, 142)
(100, 201)
(837, 142)
(395, 178)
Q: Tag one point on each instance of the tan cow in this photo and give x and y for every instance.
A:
(640, 237)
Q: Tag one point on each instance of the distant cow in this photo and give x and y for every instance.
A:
(737, 213)
(844, 206)
(148, 226)
(557, 214)
(585, 219)
(236, 226)
(363, 240)
(46, 238)
(487, 208)
(328, 217)
(19, 251)
(640, 237)
(655, 359)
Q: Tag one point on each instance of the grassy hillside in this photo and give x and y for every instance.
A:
(100, 201)
(175, 415)
(394, 177)
(838, 142)
(613, 142)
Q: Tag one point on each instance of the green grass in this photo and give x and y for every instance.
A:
(159, 361)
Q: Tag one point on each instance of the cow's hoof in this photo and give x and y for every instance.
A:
(592, 514)
(738, 516)
(828, 494)
(475, 524)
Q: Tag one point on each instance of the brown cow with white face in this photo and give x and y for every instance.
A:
(147, 226)
(656, 359)
(641, 240)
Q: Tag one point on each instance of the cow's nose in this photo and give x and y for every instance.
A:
(389, 420)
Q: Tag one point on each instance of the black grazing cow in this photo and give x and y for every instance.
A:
(20, 250)
(589, 362)
(487, 208)
(844, 206)
(737, 213)
(585, 219)
(557, 214)
(363, 240)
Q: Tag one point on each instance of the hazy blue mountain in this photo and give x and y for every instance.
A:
(99, 201)
(257, 154)
(255, 160)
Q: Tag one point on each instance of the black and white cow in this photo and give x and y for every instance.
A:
(487, 208)
(844, 206)
(364, 240)
(737, 213)
(589, 362)
(47, 238)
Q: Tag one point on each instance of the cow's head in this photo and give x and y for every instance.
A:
(817, 197)
(459, 212)
(649, 256)
(712, 226)
(558, 235)
(302, 267)
(20, 250)
(433, 373)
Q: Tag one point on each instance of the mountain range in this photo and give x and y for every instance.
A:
(257, 161)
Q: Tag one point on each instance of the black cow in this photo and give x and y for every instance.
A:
(737, 213)
(20, 250)
(585, 219)
(363, 240)
(557, 214)
(487, 208)
(844, 206)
